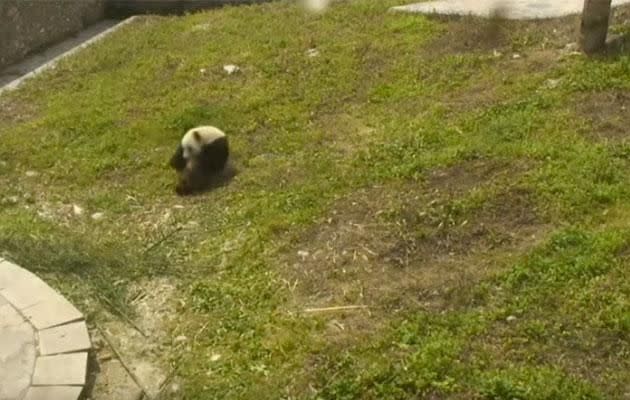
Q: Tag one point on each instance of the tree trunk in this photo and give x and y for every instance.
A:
(594, 27)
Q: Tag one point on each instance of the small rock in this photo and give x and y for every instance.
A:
(312, 52)
(511, 318)
(303, 254)
(175, 388)
(77, 210)
(97, 215)
(181, 338)
(178, 207)
(31, 174)
(516, 56)
(202, 70)
(571, 47)
(11, 199)
(230, 69)
(215, 357)
(201, 27)
(551, 83)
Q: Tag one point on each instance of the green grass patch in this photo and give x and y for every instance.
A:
(473, 201)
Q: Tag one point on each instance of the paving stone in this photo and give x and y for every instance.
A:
(53, 393)
(55, 311)
(22, 288)
(9, 316)
(61, 369)
(64, 339)
(9, 272)
(512, 9)
(17, 358)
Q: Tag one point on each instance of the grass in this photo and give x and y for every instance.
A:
(475, 201)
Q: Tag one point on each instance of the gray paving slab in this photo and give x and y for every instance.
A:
(64, 339)
(53, 393)
(17, 353)
(61, 369)
(510, 9)
(37, 324)
(26, 290)
(55, 311)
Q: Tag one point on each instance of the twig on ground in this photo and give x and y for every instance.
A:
(335, 308)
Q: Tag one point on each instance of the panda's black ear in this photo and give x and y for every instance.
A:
(197, 136)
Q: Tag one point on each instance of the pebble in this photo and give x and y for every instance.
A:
(31, 174)
(511, 318)
(98, 215)
(181, 338)
(230, 69)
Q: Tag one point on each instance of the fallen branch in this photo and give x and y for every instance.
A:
(121, 360)
(335, 308)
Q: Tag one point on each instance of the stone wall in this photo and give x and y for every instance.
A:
(28, 25)
(123, 8)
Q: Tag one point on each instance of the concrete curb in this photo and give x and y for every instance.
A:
(51, 63)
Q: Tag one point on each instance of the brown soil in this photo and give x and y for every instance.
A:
(405, 246)
(607, 114)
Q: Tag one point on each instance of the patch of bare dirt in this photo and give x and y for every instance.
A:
(131, 352)
(342, 131)
(466, 34)
(15, 111)
(406, 246)
(463, 177)
(607, 113)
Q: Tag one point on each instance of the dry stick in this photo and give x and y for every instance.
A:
(123, 315)
(336, 308)
(122, 362)
(162, 239)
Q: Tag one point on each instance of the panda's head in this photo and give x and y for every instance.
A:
(195, 139)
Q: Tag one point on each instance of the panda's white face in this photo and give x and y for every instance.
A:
(189, 151)
(191, 145)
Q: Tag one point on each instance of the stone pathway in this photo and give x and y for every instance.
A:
(511, 9)
(43, 340)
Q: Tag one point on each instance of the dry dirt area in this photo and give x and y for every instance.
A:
(132, 351)
(607, 114)
(408, 245)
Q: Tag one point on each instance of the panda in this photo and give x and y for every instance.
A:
(200, 158)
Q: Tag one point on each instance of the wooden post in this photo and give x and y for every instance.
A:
(594, 27)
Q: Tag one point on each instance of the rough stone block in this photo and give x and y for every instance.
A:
(53, 393)
(62, 369)
(64, 339)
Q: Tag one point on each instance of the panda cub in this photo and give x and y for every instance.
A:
(199, 159)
